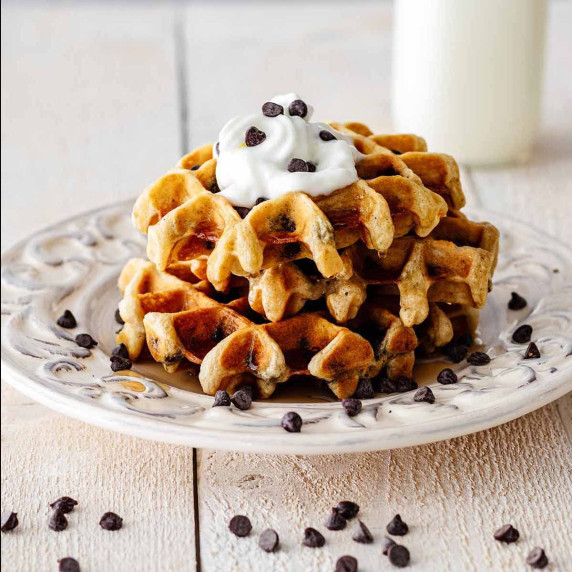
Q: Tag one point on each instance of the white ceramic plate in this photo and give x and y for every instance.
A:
(75, 265)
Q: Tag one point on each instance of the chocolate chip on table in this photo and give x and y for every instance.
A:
(221, 399)
(532, 351)
(479, 358)
(397, 527)
(298, 108)
(398, 555)
(118, 317)
(291, 422)
(65, 504)
(335, 520)
(242, 211)
(311, 167)
(386, 544)
(68, 565)
(424, 394)
(537, 558)
(351, 406)
(120, 351)
(271, 109)
(404, 384)
(362, 533)
(85, 341)
(447, 376)
(516, 302)
(9, 521)
(58, 521)
(269, 540)
(346, 563)
(313, 538)
(456, 352)
(522, 334)
(67, 320)
(242, 399)
(364, 390)
(348, 509)
(119, 363)
(506, 533)
(254, 137)
(297, 166)
(240, 525)
(111, 521)
(327, 135)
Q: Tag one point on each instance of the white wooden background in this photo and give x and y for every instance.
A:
(98, 100)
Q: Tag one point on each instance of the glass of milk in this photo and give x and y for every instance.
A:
(467, 75)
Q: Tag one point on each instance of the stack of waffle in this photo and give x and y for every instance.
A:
(343, 287)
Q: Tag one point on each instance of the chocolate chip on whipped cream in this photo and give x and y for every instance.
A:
(271, 109)
(254, 137)
(298, 108)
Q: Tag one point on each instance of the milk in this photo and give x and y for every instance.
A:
(467, 75)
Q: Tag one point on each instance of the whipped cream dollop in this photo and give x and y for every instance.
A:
(278, 150)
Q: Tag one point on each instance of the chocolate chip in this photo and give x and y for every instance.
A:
(269, 540)
(214, 189)
(351, 406)
(522, 334)
(118, 317)
(67, 320)
(68, 565)
(364, 389)
(65, 504)
(242, 211)
(532, 351)
(404, 384)
(516, 302)
(9, 521)
(311, 167)
(85, 341)
(297, 166)
(507, 533)
(240, 525)
(260, 200)
(456, 352)
(386, 544)
(291, 422)
(537, 558)
(313, 538)
(58, 521)
(246, 387)
(384, 385)
(348, 509)
(424, 394)
(346, 564)
(464, 340)
(335, 520)
(396, 152)
(397, 527)
(119, 363)
(479, 358)
(447, 376)
(254, 137)
(327, 136)
(242, 399)
(298, 108)
(221, 399)
(195, 167)
(110, 521)
(217, 148)
(271, 109)
(398, 555)
(362, 533)
(120, 351)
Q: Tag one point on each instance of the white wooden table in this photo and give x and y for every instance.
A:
(100, 99)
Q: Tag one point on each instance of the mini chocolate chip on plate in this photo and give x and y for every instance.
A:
(506, 533)
(298, 108)
(119, 363)
(67, 320)
(384, 385)
(291, 422)
(242, 399)
(240, 525)
(120, 351)
(397, 527)
(221, 399)
(447, 376)
(522, 334)
(532, 351)
(335, 520)
(269, 540)
(479, 358)
(58, 521)
(297, 166)
(118, 317)
(351, 406)
(65, 504)
(362, 533)
(346, 563)
(456, 352)
(9, 521)
(111, 521)
(516, 302)
(68, 565)
(311, 167)
(537, 558)
(313, 538)
(424, 394)
(398, 555)
(327, 135)
(271, 109)
(386, 544)
(254, 137)
(85, 341)
(404, 384)
(348, 509)
(364, 390)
